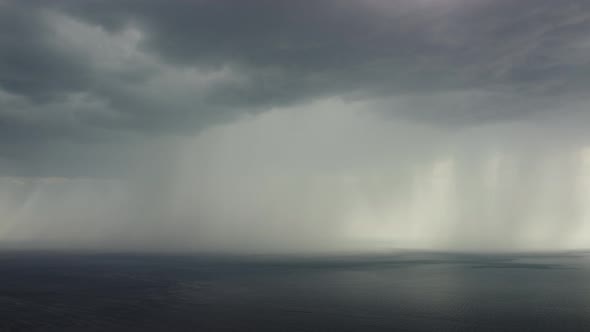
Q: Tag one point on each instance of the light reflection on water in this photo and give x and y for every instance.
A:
(409, 291)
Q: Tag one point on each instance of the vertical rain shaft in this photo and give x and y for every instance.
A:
(497, 202)
(280, 182)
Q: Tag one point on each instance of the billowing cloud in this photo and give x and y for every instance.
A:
(73, 70)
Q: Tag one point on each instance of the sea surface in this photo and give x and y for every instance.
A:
(403, 291)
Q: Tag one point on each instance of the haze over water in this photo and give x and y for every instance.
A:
(233, 189)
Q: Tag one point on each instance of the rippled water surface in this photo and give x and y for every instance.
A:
(396, 292)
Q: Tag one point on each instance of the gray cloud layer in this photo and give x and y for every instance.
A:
(82, 77)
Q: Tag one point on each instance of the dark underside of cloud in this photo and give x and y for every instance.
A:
(90, 75)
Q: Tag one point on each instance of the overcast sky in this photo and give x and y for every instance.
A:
(288, 125)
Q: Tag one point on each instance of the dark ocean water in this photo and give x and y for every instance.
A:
(397, 292)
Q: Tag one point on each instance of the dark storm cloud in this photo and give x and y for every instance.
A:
(184, 65)
(30, 64)
(387, 46)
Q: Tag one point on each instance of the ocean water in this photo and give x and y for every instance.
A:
(408, 291)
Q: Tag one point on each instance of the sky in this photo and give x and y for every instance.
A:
(291, 126)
